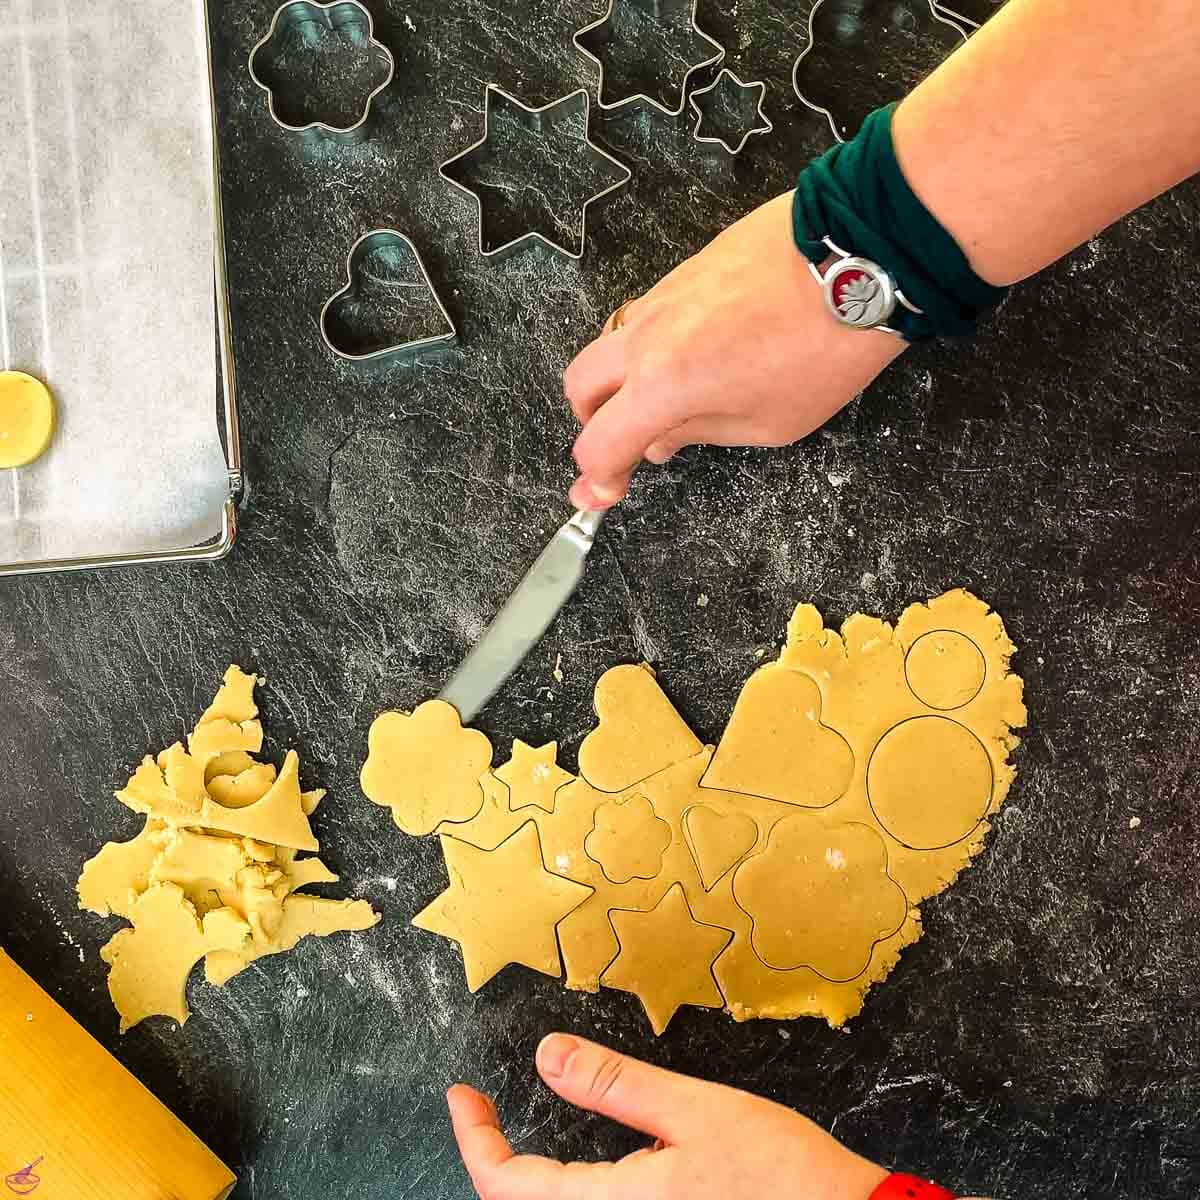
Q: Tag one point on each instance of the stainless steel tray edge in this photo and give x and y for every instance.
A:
(218, 548)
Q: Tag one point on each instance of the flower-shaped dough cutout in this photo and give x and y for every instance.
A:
(776, 747)
(425, 767)
(628, 839)
(820, 896)
(929, 782)
(639, 732)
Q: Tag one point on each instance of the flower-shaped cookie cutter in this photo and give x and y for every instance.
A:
(853, 11)
(538, 119)
(763, 124)
(367, 245)
(659, 10)
(337, 17)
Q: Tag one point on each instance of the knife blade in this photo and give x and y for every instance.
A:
(526, 616)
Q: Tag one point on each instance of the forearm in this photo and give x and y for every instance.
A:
(1058, 117)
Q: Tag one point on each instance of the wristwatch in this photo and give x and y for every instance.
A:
(909, 1187)
(858, 292)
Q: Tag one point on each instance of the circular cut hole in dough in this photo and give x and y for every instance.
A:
(26, 418)
(945, 669)
(929, 782)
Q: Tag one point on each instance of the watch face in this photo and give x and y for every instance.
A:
(860, 293)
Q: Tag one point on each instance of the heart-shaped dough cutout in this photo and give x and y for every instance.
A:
(718, 841)
(776, 747)
(639, 733)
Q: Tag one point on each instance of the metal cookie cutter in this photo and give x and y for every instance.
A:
(667, 15)
(373, 243)
(970, 14)
(556, 119)
(762, 121)
(296, 20)
(851, 13)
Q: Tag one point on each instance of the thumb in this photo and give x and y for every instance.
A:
(614, 440)
(674, 1108)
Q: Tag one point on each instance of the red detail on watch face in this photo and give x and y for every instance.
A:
(842, 281)
(909, 1187)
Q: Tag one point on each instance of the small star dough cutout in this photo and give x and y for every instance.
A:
(502, 906)
(26, 418)
(533, 775)
(666, 958)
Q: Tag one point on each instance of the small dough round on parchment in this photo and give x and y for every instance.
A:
(26, 418)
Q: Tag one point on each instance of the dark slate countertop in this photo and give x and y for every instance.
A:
(1044, 1036)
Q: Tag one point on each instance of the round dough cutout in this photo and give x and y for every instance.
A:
(26, 418)
(929, 782)
(945, 669)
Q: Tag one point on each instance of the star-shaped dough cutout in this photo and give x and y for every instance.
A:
(666, 958)
(533, 776)
(502, 906)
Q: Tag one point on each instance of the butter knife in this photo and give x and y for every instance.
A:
(526, 616)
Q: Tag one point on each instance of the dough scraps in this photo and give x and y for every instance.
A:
(214, 872)
(777, 875)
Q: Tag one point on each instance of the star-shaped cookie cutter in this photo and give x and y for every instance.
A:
(537, 117)
(935, 12)
(656, 7)
(765, 125)
(334, 16)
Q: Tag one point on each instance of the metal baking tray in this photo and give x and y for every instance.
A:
(111, 107)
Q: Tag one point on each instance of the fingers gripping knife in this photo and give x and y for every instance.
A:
(529, 612)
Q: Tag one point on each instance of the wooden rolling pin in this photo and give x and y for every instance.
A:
(75, 1125)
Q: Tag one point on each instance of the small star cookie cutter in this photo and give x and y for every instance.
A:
(765, 125)
(537, 118)
(937, 14)
(367, 245)
(655, 9)
(335, 17)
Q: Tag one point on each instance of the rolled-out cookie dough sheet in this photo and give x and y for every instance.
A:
(106, 275)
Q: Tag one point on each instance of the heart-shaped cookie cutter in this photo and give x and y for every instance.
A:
(368, 244)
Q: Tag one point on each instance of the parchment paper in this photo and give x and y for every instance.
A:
(106, 274)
